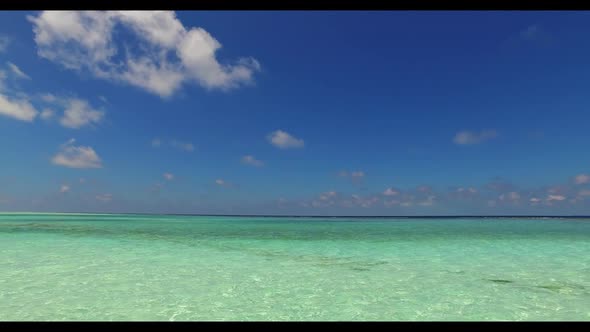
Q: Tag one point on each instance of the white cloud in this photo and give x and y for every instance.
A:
(20, 109)
(17, 71)
(64, 188)
(555, 198)
(284, 140)
(76, 156)
(469, 138)
(582, 179)
(79, 113)
(104, 197)
(168, 54)
(103, 99)
(220, 182)
(47, 114)
(4, 41)
(390, 192)
(250, 160)
(168, 176)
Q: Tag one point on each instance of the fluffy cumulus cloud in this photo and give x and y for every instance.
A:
(64, 188)
(167, 55)
(73, 156)
(168, 176)
(17, 71)
(283, 140)
(250, 160)
(17, 108)
(470, 138)
(73, 113)
(78, 113)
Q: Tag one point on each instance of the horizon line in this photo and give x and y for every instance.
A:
(307, 216)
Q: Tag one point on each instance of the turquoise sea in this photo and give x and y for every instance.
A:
(150, 267)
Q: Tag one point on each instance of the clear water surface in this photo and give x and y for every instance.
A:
(149, 267)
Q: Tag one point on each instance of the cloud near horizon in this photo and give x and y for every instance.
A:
(486, 199)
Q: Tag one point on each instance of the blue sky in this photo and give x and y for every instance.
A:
(346, 113)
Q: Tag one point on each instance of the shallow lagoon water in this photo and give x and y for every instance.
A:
(149, 267)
